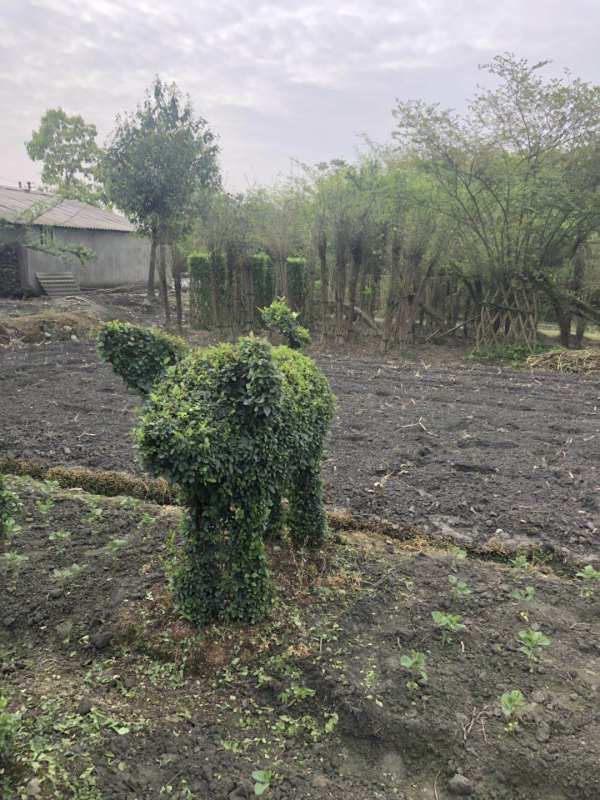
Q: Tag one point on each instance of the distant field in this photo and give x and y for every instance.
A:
(592, 332)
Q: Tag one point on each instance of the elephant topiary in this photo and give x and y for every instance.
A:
(236, 427)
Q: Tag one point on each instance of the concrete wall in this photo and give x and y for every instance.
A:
(120, 258)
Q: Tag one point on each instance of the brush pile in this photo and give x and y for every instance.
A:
(582, 361)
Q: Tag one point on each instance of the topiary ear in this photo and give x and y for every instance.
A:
(139, 355)
(259, 379)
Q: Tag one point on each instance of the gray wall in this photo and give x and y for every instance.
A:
(120, 258)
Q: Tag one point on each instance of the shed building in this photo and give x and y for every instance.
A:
(37, 220)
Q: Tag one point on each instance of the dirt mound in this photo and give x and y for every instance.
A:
(46, 326)
(567, 360)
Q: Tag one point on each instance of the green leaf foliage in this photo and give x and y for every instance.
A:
(138, 355)
(8, 505)
(237, 427)
(279, 318)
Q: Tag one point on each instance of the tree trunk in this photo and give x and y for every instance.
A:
(163, 287)
(579, 262)
(356, 250)
(392, 301)
(340, 284)
(322, 246)
(150, 291)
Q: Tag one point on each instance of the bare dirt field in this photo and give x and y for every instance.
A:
(120, 699)
(485, 456)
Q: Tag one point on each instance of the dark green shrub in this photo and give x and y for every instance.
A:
(263, 279)
(237, 427)
(279, 318)
(139, 355)
(8, 506)
(199, 265)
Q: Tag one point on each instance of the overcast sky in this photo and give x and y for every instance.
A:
(276, 80)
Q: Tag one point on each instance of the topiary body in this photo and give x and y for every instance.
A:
(237, 427)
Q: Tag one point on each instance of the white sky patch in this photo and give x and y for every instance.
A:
(276, 79)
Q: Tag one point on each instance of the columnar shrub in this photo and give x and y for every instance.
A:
(297, 283)
(201, 315)
(139, 355)
(237, 427)
(263, 278)
(279, 318)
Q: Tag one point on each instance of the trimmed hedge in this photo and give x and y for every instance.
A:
(139, 355)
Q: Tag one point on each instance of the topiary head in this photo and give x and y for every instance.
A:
(210, 424)
(139, 355)
(279, 318)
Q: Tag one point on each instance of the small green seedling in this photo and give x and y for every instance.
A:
(294, 694)
(415, 662)
(59, 536)
(116, 544)
(512, 705)
(67, 573)
(458, 588)
(525, 595)
(532, 643)
(589, 576)
(95, 513)
(146, 520)
(448, 623)
(11, 527)
(457, 552)
(44, 506)
(520, 562)
(14, 561)
(262, 781)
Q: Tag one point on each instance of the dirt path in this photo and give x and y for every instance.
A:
(488, 457)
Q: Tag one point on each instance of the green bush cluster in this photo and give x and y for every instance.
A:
(237, 427)
(9, 724)
(279, 318)
(139, 355)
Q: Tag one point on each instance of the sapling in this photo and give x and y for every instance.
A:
(415, 663)
(532, 643)
(512, 705)
(520, 562)
(589, 576)
(458, 588)
(448, 623)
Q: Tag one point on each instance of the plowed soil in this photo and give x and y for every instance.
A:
(488, 457)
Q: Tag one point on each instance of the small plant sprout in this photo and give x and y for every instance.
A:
(415, 663)
(532, 643)
(14, 561)
(95, 513)
(294, 694)
(11, 527)
(458, 588)
(589, 576)
(447, 623)
(262, 781)
(512, 705)
(525, 595)
(116, 544)
(457, 552)
(520, 562)
(44, 506)
(67, 573)
(59, 536)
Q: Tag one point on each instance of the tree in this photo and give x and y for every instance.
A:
(159, 160)
(519, 173)
(67, 147)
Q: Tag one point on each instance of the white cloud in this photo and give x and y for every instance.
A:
(276, 78)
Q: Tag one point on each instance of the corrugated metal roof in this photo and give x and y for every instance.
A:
(39, 208)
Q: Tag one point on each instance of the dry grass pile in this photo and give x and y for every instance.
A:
(34, 328)
(581, 361)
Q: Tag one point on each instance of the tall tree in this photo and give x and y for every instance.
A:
(520, 174)
(66, 146)
(159, 159)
